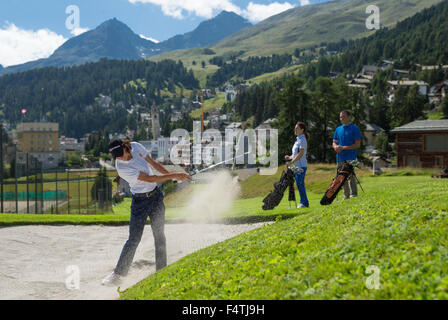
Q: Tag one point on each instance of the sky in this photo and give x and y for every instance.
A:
(34, 29)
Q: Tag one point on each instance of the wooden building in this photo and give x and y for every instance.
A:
(422, 143)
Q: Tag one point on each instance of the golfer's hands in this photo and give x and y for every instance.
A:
(338, 149)
(182, 177)
(287, 158)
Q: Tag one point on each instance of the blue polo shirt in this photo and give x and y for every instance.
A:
(347, 136)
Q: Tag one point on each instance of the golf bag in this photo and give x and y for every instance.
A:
(274, 197)
(343, 174)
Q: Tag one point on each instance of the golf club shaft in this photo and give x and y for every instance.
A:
(217, 164)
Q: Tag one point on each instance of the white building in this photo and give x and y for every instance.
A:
(164, 148)
(422, 85)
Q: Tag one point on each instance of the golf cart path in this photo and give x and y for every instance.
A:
(45, 262)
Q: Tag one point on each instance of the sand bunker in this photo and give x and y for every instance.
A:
(45, 262)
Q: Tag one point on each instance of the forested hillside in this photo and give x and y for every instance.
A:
(421, 39)
(242, 70)
(71, 96)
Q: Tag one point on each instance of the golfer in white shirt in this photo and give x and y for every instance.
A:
(133, 164)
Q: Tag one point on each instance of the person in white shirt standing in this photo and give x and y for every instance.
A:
(299, 160)
(133, 164)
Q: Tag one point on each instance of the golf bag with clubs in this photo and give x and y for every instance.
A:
(343, 174)
(275, 196)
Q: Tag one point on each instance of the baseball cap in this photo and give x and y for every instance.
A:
(116, 148)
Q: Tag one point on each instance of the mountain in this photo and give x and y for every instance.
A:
(112, 39)
(306, 26)
(115, 40)
(207, 33)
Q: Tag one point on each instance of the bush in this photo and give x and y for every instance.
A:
(102, 188)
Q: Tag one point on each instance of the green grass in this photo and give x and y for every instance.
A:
(436, 115)
(399, 226)
(9, 220)
(210, 105)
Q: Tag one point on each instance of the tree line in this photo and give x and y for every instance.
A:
(240, 70)
(70, 95)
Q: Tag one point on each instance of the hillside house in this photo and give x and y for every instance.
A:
(369, 70)
(422, 143)
(371, 132)
(422, 85)
(401, 73)
(359, 82)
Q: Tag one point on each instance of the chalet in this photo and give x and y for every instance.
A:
(369, 70)
(360, 82)
(422, 143)
(401, 73)
(370, 133)
(422, 86)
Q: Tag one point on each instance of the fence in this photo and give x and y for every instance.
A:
(56, 191)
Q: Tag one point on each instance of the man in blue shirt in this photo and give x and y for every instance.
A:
(346, 142)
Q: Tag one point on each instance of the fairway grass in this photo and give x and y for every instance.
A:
(397, 227)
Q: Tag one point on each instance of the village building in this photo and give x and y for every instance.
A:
(422, 85)
(39, 140)
(422, 143)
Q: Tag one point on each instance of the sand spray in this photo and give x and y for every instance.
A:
(213, 198)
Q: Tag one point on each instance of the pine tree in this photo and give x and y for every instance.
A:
(293, 103)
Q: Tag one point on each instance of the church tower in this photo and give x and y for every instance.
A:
(155, 123)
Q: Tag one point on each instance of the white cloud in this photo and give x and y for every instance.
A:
(201, 8)
(148, 38)
(304, 2)
(257, 12)
(77, 31)
(19, 46)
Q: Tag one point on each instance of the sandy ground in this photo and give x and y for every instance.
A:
(69, 262)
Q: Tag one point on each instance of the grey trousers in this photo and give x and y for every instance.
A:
(350, 186)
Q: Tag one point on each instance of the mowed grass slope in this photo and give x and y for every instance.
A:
(398, 227)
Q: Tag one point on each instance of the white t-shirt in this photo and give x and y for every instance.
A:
(130, 170)
(301, 143)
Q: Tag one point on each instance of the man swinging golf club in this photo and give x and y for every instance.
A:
(133, 164)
